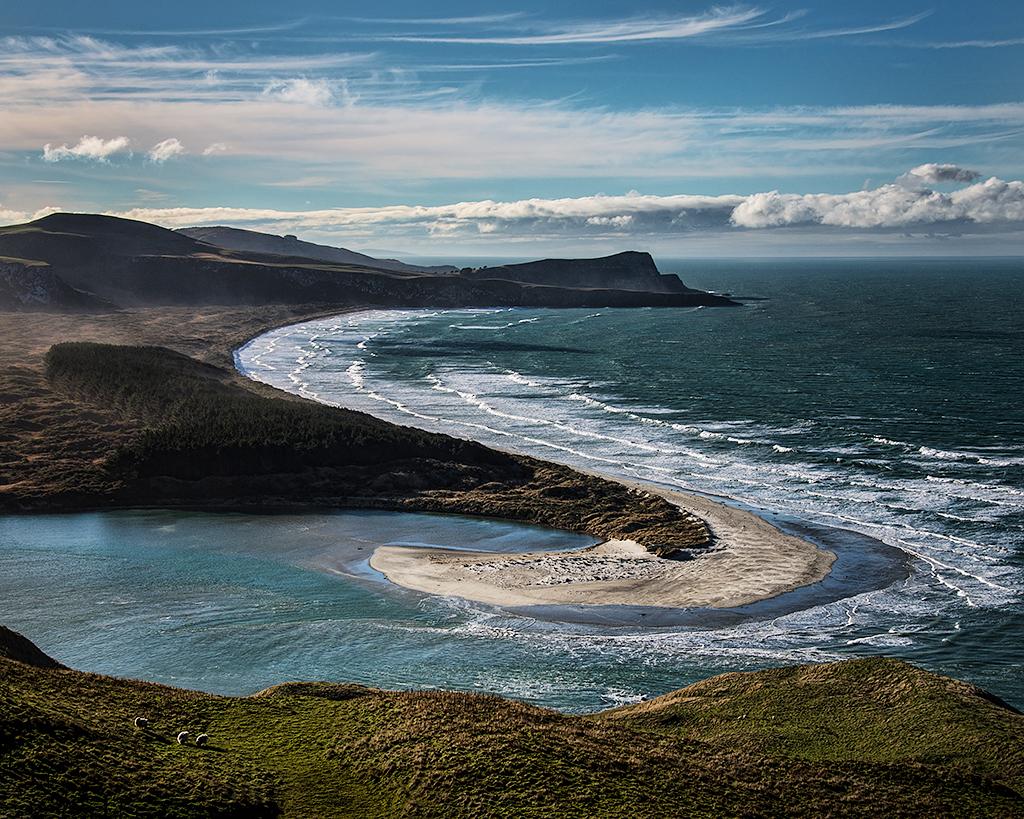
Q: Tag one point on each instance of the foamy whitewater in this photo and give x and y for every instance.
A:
(878, 397)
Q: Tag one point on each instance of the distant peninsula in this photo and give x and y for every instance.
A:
(630, 270)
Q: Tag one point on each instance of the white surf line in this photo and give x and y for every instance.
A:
(476, 401)
(933, 562)
(911, 548)
(357, 380)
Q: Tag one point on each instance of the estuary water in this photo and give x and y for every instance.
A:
(880, 397)
(233, 603)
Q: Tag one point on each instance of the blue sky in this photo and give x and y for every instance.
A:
(483, 128)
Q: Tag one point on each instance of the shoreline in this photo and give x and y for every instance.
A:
(750, 561)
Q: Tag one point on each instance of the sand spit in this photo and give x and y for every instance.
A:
(751, 561)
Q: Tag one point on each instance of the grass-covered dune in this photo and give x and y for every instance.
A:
(195, 435)
(858, 738)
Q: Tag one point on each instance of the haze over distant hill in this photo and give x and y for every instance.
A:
(252, 240)
(91, 259)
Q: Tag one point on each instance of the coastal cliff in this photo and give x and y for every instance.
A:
(30, 285)
(630, 270)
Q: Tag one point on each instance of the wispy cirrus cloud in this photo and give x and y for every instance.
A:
(976, 43)
(303, 91)
(733, 25)
(854, 30)
(113, 66)
(473, 19)
(228, 31)
(632, 30)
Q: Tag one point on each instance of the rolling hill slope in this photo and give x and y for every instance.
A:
(69, 747)
(291, 246)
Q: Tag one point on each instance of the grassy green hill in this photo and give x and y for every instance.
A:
(892, 741)
(875, 710)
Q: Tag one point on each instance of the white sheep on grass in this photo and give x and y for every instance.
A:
(183, 737)
(141, 722)
(202, 739)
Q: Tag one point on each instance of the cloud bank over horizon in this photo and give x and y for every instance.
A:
(979, 208)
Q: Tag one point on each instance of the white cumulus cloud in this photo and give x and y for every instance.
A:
(17, 217)
(993, 201)
(932, 173)
(165, 149)
(621, 221)
(92, 148)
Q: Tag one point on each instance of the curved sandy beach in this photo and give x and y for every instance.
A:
(751, 561)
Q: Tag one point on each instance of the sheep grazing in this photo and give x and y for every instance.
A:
(183, 737)
(141, 722)
(202, 739)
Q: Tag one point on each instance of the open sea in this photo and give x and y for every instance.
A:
(881, 400)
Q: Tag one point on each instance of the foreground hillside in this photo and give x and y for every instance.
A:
(68, 746)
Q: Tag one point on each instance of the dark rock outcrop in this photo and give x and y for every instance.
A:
(34, 286)
(14, 646)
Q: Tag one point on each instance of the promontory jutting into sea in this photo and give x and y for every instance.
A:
(488, 411)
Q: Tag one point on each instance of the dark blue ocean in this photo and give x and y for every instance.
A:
(879, 401)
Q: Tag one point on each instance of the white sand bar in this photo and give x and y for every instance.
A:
(751, 560)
